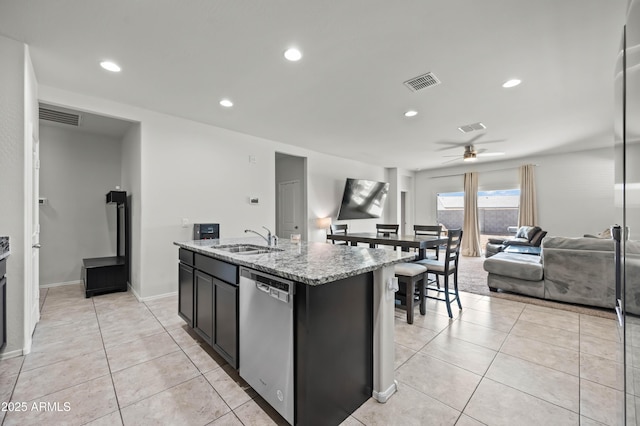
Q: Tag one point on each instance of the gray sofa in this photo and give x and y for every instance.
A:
(574, 270)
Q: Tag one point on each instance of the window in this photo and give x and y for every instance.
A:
(497, 210)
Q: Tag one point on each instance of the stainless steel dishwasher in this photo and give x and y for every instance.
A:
(266, 338)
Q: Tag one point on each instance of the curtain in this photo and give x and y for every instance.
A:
(471, 228)
(528, 211)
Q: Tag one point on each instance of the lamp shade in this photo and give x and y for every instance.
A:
(323, 222)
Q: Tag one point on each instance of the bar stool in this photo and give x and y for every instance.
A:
(409, 275)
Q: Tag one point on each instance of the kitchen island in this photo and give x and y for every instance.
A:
(343, 310)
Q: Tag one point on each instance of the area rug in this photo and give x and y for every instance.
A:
(472, 278)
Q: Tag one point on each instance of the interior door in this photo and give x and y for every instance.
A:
(290, 208)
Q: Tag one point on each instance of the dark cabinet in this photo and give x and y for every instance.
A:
(185, 293)
(208, 301)
(203, 323)
(226, 320)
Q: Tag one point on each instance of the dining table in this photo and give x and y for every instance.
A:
(405, 242)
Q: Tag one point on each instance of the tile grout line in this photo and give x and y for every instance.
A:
(195, 366)
(484, 375)
(104, 348)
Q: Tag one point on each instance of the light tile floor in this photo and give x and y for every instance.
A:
(110, 360)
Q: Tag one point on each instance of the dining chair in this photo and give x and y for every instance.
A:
(432, 231)
(338, 230)
(410, 276)
(387, 229)
(445, 267)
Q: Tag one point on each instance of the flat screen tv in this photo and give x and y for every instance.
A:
(363, 199)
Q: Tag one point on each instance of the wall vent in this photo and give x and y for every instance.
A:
(422, 82)
(472, 127)
(61, 117)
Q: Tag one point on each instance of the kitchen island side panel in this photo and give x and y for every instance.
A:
(333, 349)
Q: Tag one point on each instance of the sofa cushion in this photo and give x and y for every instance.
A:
(580, 243)
(495, 240)
(515, 265)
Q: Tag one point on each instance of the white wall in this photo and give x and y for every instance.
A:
(202, 173)
(575, 191)
(77, 170)
(12, 188)
(130, 165)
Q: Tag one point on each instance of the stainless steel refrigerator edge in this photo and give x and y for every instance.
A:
(627, 203)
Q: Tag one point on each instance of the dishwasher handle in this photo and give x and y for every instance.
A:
(263, 287)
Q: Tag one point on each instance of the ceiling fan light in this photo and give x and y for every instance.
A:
(470, 158)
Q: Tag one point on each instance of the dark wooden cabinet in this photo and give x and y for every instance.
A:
(226, 320)
(208, 301)
(203, 323)
(185, 292)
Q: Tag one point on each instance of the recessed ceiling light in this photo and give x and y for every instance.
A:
(411, 113)
(511, 83)
(226, 103)
(293, 54)
(110, 66)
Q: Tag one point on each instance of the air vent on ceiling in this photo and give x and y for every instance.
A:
(422, 82)
(472, 127)
(59, 117)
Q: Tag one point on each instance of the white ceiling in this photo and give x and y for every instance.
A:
(346, 96)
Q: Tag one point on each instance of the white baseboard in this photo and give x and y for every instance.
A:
(384, 395)
(138, 298)
(160, 296)
(60, 284)
(150, 298)
(12, 354)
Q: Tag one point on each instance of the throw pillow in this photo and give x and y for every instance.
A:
(537, 239)
(605, 234)
(527, 232)
(522, 232)
(532, 232)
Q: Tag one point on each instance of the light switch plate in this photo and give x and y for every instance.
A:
(185, 222)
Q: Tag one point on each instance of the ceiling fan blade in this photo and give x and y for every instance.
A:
(451, 161)
(475, 138)
(492, 141)
(451, 145)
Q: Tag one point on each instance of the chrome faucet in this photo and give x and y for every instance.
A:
(268, 238)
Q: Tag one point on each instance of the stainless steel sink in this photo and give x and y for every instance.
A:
(246, 249)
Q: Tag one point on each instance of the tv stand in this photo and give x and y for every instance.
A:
(108, 274)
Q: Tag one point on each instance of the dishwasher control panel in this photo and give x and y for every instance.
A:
(274, 287)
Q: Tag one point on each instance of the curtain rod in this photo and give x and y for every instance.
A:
(493, 170)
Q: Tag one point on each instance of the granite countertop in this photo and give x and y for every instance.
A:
(5, 251)
(305, 262)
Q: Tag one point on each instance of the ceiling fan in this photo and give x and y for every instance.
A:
(471, 142)
(471, 154)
